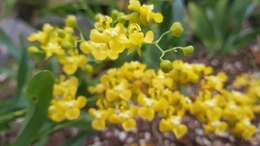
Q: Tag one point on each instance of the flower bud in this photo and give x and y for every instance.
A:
(166, 66)
(187, 50)
(116, 14)
(176, 29)
(71, 21)
(89, 69)
(33, 49)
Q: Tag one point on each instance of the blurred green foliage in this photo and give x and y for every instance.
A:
(6, 7)
(219, 25)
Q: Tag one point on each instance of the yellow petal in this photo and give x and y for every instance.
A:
(81, 102)
(165, 125)
(136, 38)
(72, 114)
(98, 37)
(98, 124)
(158, 17)
(70, 68)
(126, 95)
(161, 105)
(149, 36)
(115, 119)
(146, 113)
(57, 117)
(180, 131)
(129, 124)
(111, 95)
(85, 47)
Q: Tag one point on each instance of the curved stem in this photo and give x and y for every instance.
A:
(163, 52)
(164, 34)
(175, 49)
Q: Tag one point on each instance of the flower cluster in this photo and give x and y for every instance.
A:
(142, 13)
(64, 104)
(110, 37)
(60, 43)
(134, 91)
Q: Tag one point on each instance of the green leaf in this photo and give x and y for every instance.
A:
(200, 24)
(166, 10)
(239, 11)
(78, 140)
(83, 123)
(12, 105)
(43, 141)
(5, 40)
(87, 131)
(22, 70)
(151, 57)
(39, 93)
(220, 22)
(10, 116)
(246, 37)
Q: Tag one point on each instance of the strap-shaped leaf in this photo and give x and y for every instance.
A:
(5, 39)
(22, 69)
(200, 24)
(246, 37)
(39, 93)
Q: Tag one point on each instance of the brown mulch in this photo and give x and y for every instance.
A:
(147, 134)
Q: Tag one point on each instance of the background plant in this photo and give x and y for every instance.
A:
(220, 25)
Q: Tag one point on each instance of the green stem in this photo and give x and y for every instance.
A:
(175, 49)
(156, 43)
(161, 50)
(164, 34)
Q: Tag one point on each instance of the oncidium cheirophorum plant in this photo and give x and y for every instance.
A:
(135, 91)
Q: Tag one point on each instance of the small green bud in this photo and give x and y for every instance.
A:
(71, 21)
(116, 14)
(67, 45)
(176, 29)
(61, 34)
(97, 17)
(166, 66)
(89, 69)
(187, 50)
(33, 49)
